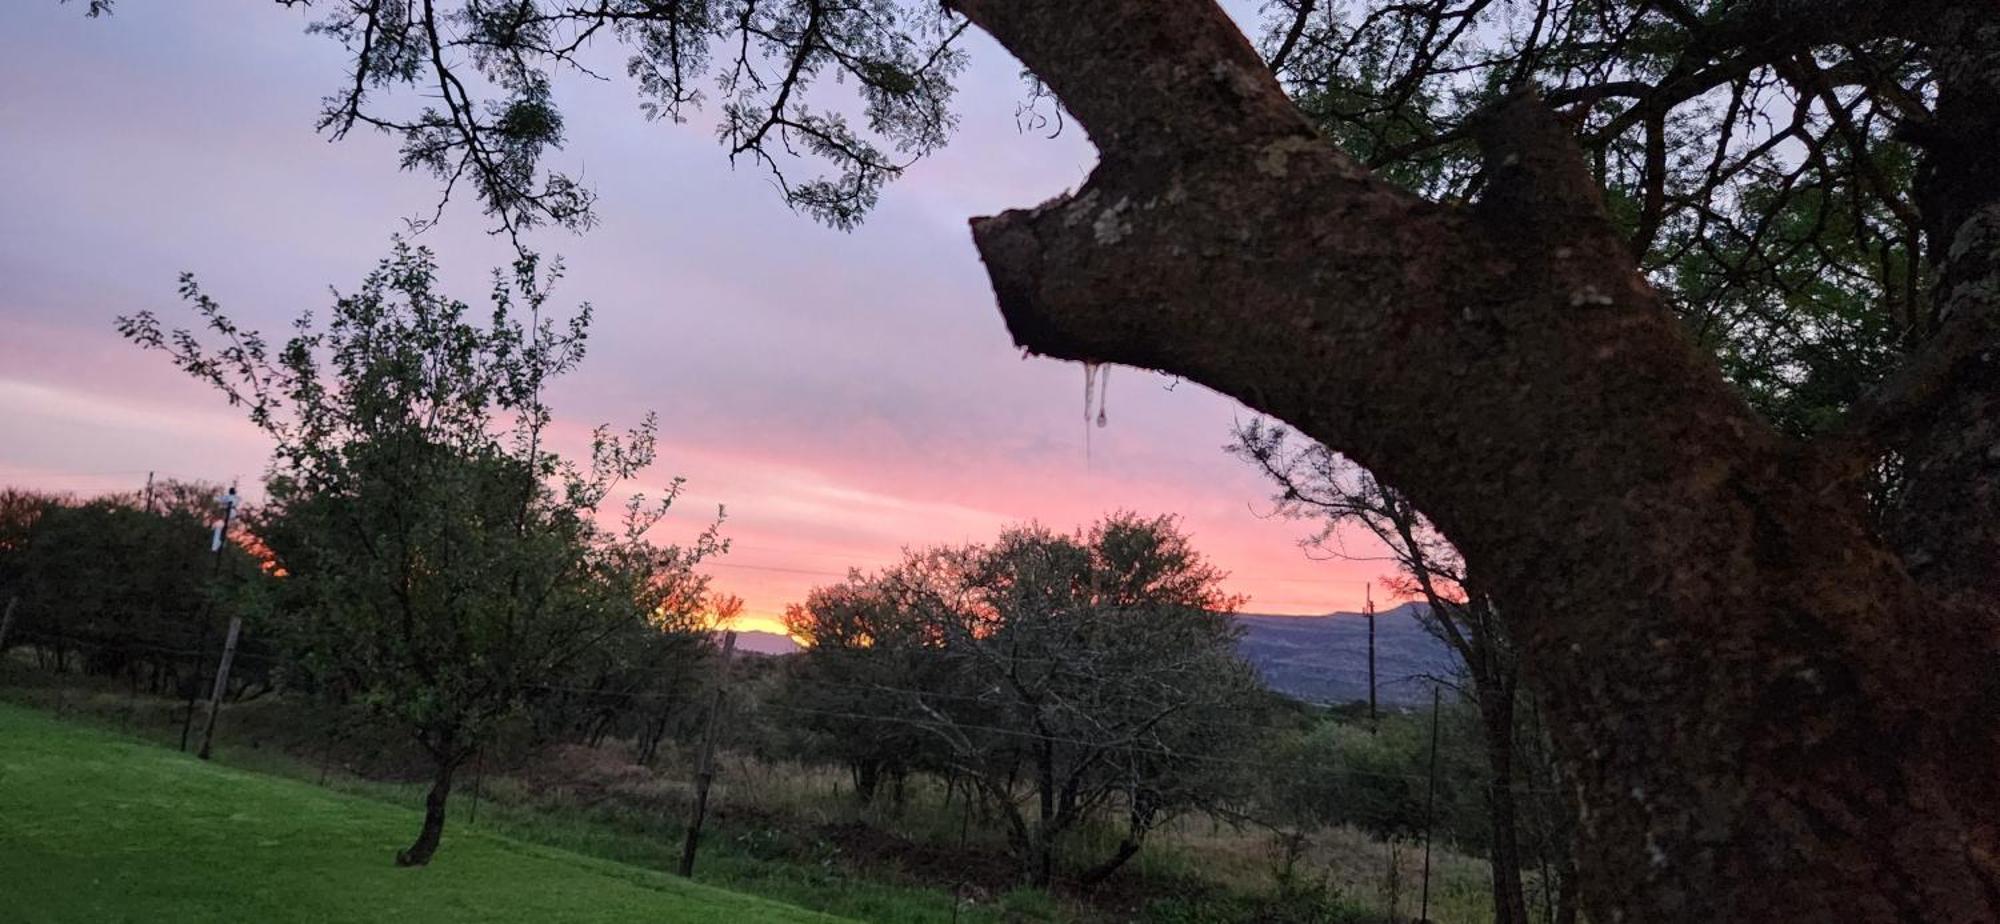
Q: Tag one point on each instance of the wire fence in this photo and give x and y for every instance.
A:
(1112, 744)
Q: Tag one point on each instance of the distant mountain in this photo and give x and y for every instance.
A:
(766, 643)
(1324, 659)
(1319, 659)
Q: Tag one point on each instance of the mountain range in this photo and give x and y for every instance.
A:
(1318, 659)
(1324, 659)
(765, 643)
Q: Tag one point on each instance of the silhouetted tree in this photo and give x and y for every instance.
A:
(441, 562)
(1315, 483)
(854, 689)
(1720, 616)
(1095, 671)
(110, 585)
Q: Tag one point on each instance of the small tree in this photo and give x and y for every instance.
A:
(855, 689)
(645, 675)
(441, 562)
(1096, 672)
(120, 581)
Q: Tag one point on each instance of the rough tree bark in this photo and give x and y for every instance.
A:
(1947, 524)
(1767, 716)
(419, 853)
(1496, 714)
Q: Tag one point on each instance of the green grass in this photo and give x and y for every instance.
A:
(98, 828)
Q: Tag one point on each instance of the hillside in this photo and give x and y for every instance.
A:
(765, 643)
(1324, 659)
(103, 828)
(1320, 659)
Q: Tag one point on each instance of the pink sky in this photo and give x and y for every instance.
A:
(844, 395)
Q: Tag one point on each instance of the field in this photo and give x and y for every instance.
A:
(779, 830)
(95, 827)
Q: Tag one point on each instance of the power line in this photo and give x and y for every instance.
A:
(933, 725)
(938, 724)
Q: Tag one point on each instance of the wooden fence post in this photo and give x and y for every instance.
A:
(705, 774)
(215, 545)
(7, 622)
(478, 785)
(221, 684)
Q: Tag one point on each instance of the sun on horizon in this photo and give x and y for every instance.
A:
(757, 622)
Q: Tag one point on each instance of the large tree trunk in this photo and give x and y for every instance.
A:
(1766, 717)
(1496, 714)
(419, 853)
(1946, 519)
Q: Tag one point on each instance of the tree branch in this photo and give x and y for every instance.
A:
(1681, 580)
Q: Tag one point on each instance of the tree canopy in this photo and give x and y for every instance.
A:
(441, 561)
(1061, 675)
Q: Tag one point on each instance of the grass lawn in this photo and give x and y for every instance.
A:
(98, 828)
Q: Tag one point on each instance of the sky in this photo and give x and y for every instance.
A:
(841, 395)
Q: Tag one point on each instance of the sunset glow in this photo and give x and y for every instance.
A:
(758, 622)
(843, 396)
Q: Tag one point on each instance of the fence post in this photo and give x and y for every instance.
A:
(705, 773)
(221, 684)
(325, 753)
(7, 621)
(478, 784)
(215, 543)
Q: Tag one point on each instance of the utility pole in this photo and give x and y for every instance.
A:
(221, 684)
(149, 492)
(705, 773)
(1369, 612)
(215, 542)
(1430, 805)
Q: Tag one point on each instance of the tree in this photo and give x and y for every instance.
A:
(1094, 671)
(851, 688)
(1316, 483)
(442, 564)
(125, 584)
(1725, 643)
(1762, 190)
(1783, 645)
(643, 676)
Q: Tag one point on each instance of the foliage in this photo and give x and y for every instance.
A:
(487, 72)
(1379, 780)
(855, 692)
(1766, 194)
(441, 562)
(124, 584)
(636, 683)
(1061, 675)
